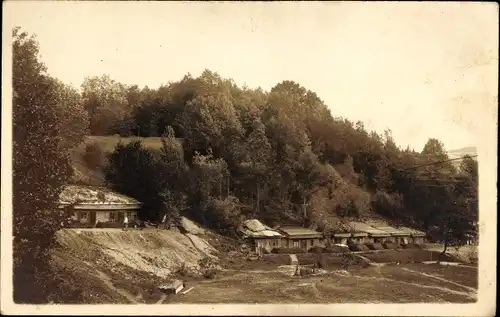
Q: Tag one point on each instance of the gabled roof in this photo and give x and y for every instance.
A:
(299, 232)
(255, 229)
(393, 231)
(413, 232)
(89, 195)
(363, 227)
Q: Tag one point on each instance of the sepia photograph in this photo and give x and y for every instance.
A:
(240, 158)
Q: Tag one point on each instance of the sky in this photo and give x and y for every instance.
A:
(421, 69)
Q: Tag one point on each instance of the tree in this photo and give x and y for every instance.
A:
(73, 117)
(40, 169)
(106, 103)
(140, 173)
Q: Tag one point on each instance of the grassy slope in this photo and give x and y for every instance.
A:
(107, 145)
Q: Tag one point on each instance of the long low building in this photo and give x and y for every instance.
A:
(91, 205)
(298, 237)
(415, 236)
(382, 233)
(374, 235)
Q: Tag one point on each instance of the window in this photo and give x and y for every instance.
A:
(83, 215)
(275, 243)
(112, 216)
(296, 244)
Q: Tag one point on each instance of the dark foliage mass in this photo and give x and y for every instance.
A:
(43, 112)
(233, 153)
(228, 153)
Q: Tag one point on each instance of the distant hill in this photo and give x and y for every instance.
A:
(469, 150)
(457, 153)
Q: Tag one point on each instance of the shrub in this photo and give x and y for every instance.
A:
(390, 246)
(287, 250)
(182, 269)
(224, 215)
(93, 156)
(347, 259)
(374, 246)
(208, 267)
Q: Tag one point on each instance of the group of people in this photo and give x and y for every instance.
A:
(164, 224)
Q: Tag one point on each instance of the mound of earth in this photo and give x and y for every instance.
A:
(187, 226)
(157, 252)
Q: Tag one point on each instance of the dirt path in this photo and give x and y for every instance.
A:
(472, 290)
(444, 289)
(162, 299)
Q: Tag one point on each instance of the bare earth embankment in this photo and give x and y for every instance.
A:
(115, 266)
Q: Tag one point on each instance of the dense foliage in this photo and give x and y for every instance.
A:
(48, 119)
(281, 156)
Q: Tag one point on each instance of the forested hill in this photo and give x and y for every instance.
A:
(231, 152)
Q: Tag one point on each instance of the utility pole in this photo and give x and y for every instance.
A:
(304, 208)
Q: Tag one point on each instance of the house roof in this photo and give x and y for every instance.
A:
(89, 195)
(363, 227)
(299, 232)
(254, 225)
(393, 231)
(413, 232)
(255, 229)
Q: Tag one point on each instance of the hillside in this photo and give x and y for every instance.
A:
(111, 265)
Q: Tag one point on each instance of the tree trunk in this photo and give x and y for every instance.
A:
(445, 246)
(445, 238)
(220, 190)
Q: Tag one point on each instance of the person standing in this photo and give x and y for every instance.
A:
(164, 221)
(125, 222)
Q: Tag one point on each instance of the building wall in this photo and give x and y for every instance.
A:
(305, 244)
(418, 240)
(360, 240)
(382, 239)
(340, 240)
(267, 244)
(84, 216)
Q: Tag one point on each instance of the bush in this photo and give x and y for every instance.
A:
(348, 259)
(390, 246)
(183, 270)
(412, 246)
(287, 250)
(108, 224)
(208, 267)
(280, 259)
(374, 246)
(358, 247)
(93, 156)
(224, 215)
(316, 249)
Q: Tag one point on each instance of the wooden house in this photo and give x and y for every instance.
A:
(261, 237)
(298, 237)
(397, 236)
(373, 235)
(91, 205)
(414, 236)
